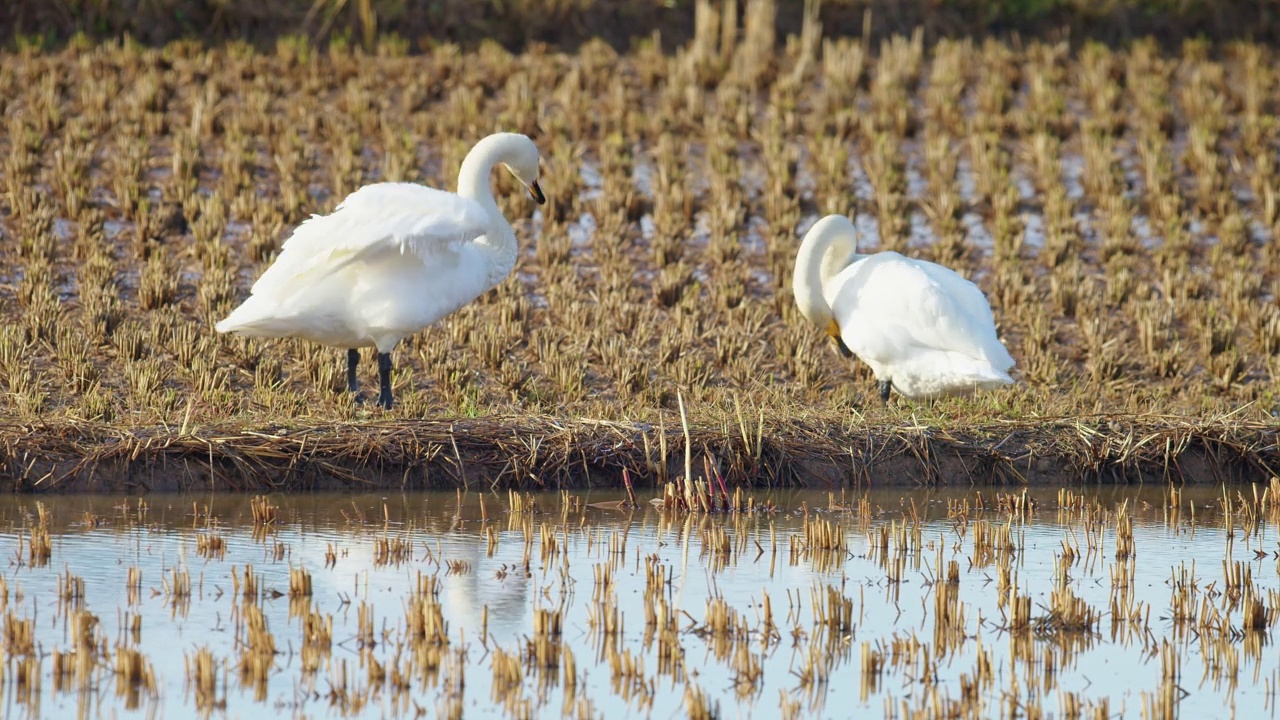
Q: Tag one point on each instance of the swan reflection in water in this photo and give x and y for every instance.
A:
(498, 582)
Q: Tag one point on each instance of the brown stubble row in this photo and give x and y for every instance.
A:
(1118, 207)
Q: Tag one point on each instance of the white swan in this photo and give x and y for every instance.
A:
(392, 259)
(924, 330)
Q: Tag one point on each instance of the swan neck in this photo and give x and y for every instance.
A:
(474, 175)
(826, 250)
(474, 183)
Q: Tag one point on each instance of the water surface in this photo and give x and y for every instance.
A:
(491, 571)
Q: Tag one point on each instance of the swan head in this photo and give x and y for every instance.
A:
(521, 160)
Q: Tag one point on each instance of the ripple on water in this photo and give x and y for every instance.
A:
(917, 185)
(1072, 172)
(65, 230)
(589, 176)
(1032, 229)
(976, 233)
(753, 242)
(921, 232)
(862, 188)
(642, 176)
(582, 230)
(806, 182)
(868, 226)
(114, 228)
(1141, 228)
(965, 183)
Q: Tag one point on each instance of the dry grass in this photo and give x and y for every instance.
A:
(494, 452)
(1117, 206)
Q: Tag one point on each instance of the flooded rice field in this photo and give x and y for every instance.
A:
(1116, 205)
(1117, 602)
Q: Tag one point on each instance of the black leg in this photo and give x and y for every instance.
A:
(844, 349)
(384, 380)
(885, 386)
(353, 359)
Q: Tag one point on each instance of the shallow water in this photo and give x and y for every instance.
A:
(489, 602)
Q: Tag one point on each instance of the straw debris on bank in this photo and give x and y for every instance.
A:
(530, 453)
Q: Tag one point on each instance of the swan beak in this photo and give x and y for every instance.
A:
(833, 329)
(536, 191)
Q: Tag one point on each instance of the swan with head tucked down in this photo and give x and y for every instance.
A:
(392, 259)
(924, 330)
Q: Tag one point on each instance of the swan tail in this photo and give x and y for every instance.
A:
(252, 319)
(993, 381)
(982, 374)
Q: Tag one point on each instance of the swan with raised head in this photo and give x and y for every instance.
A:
(924, 330)
(392, 259)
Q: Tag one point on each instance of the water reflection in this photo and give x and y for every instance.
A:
(921, 602)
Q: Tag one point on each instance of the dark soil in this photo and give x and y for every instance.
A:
(517, 25)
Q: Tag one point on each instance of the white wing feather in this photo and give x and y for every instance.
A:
(901, 305)
(376, 219)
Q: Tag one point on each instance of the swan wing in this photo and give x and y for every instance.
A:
(403, 218)
(894, 307)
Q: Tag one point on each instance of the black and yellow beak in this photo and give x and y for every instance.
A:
(833, 329)
(536, 192)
